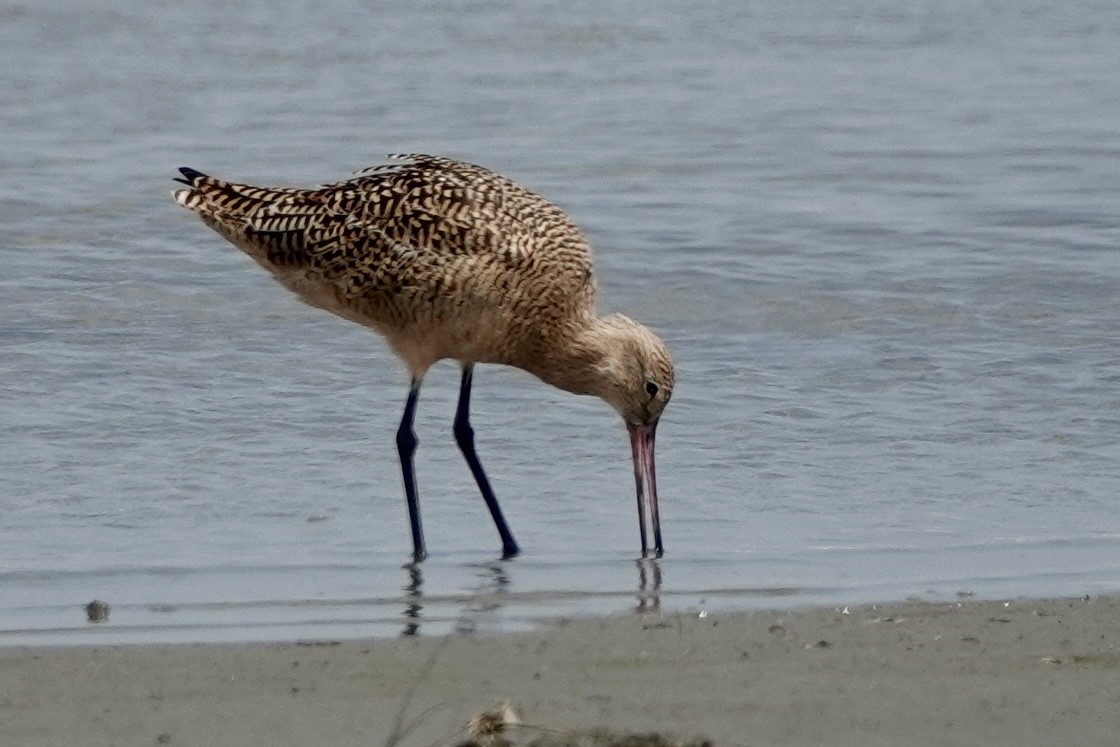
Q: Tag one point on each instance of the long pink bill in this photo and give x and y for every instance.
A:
(645, 478)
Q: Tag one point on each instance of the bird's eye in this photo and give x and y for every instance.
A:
(651, 389)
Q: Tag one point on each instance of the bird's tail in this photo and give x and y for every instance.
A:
(208, 194)
(276, 226)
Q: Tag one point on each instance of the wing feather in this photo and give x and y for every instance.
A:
(364, 233)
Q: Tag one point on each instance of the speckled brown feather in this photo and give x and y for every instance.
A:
(446, 259)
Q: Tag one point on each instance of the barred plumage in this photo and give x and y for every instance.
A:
(451, 260)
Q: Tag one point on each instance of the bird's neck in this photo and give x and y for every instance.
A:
(577, 358)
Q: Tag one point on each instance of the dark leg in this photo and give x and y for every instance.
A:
(406, 447)
(464, 436)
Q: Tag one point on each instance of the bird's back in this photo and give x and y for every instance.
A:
(447, 259)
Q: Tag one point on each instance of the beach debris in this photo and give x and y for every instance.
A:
(607, 738)
(494, 728)
(489, 725)
(97, 611)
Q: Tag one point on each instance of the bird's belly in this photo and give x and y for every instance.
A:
(326, 296)
(420, 331)
(479, 338)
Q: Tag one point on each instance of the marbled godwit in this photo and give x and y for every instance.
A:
(450, 260)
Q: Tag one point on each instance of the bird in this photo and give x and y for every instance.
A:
(452, 261)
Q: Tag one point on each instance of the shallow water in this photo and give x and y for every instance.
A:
(882, 243)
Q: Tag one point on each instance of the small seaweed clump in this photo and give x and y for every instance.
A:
(497, 728)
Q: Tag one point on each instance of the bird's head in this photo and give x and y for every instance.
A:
(635, 371)
(635, 375)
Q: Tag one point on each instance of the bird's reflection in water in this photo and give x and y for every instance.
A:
(649, 585)
(414, 595)
(486, 597)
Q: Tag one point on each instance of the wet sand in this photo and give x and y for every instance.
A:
(1024, 672)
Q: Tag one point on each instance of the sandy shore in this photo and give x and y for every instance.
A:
(1028, 672)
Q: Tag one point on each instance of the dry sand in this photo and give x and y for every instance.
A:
(1028, 672)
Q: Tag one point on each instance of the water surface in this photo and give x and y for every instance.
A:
(881, 241)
